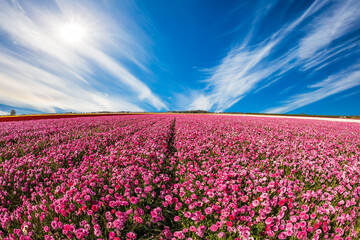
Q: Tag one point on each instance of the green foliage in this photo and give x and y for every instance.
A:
(257, 229)
(12, 112)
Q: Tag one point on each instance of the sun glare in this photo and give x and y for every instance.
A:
(73, 33)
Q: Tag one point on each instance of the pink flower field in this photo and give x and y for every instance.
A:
(179, 177)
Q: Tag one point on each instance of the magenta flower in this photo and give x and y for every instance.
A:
(54, 225)
(255, 203)
(221, 235)
(269, 221)
(282, 235)
(131, 235)
(214, 228)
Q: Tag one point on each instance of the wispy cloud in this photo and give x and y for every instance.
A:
(336, 83)
(35, 88)
(237, 75)
(248, 69)
(331, 25)
(39, 70)
(347, 95)
(328, 55)
(4, 113)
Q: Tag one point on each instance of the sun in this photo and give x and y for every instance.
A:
(73, 33)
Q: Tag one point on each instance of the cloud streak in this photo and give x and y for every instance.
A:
(248, 69)
(4, 113)
(41, 71)
(48, 92)
(334, 84)
(333, 24)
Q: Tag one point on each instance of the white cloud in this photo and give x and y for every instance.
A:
(241, 71)
(35, 88)
(109, 64)
(314, 48)
(243, 67)
(327, 56)
(336, 83)
(249, 69)
(200, 103)
(42, 71)
(4, 113)
(331, 25)
(191, 99)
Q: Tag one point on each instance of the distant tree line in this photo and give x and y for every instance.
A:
(189, 111)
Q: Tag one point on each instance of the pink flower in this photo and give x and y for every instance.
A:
(179, 235)
(255, 203)
(270, 233)
(289, 226)
(168, 198)
(302, 224)
(301, 235)
(134, 200)
(214, 228)
(131, 235)
(138, 219)
(282, 235)
(192, 228)
(208, 210)
(95, 208)
(54, 225)
(137, 190)
(268, 221)
(339, 231)
(297, 226)
(221, 235)
(289, 232)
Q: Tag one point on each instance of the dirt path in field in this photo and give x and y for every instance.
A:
(314, 118)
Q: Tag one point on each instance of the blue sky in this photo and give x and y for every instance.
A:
(152, 55)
